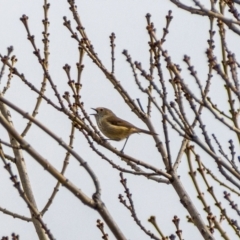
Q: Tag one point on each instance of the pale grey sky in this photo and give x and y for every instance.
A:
(67, 217)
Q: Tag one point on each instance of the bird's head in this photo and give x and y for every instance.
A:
(102, 112)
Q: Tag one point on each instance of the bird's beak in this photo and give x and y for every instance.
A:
(94, 110)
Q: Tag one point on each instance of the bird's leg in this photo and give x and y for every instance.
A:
(124, 145)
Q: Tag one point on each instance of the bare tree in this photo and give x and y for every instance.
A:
(170, 95)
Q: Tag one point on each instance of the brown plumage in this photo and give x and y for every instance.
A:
(114, 127)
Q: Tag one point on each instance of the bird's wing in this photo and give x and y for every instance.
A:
(119, 122)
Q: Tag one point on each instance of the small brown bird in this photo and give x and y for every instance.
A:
(115, 128)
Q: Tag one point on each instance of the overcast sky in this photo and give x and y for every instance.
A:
(67, 217)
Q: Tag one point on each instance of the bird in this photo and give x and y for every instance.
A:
(114, 127)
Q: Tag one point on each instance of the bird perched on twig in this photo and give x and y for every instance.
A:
(114, 127)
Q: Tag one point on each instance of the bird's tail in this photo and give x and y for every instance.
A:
(147, 132)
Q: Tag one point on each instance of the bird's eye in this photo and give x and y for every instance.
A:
(101, 109)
